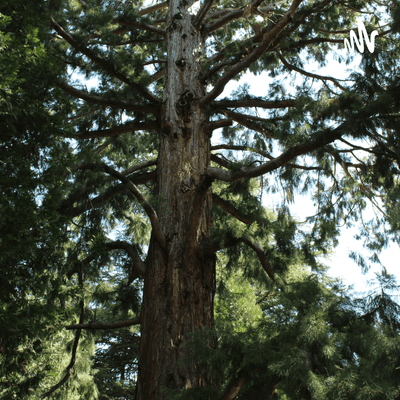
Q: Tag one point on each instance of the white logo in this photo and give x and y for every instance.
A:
(360, 45)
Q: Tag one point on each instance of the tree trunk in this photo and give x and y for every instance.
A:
(179, 283)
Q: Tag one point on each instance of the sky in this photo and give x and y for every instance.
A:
(340, 265)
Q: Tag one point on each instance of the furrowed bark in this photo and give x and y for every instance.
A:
(179, 283)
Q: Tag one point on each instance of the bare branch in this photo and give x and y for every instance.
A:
(242, 148)
(107, 66)
(142, 165)
(158, 75)
(236, 13)
(105, 325)
(106, 102)
(219, 161)
(305, 73)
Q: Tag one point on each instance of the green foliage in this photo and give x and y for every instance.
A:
(300, 335)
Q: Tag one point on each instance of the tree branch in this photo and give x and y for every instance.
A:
(305, 73)
(213, 247)
(244, 120)
(106, 102)
(234, 386)
(105, 325)
(235, 14)
(253, 56)
(135, 191)
(261, 256)
(327, 137)
(128, 127)
(242, 148)
(253, 102)
(230, 209)
(108, 67)
(140, 25)
(202, 13)
(151, 9)
(211, 126)
(65, 206)
(138, 265)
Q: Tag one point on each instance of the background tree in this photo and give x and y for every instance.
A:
(135, 155)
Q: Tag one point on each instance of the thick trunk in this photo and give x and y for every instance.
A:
(179, 284)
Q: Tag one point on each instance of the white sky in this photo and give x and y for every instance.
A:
(340, 264)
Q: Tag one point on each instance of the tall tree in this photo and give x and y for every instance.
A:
(143, 162)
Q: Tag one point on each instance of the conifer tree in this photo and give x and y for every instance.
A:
(135, 156)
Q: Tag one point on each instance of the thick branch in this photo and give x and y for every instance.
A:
(242, 148)
(234, 386)
(213, 247)
(255, 102)
(202, 13)
(253, 56)
(327, 137)
(105, 325)
(107, 66)
(151, 9)
(245, 121)
(128, 127)
(106, 102)
(138, 265)
(211, 126)
(261, 256)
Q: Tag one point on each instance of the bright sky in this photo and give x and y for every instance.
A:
(340, 264)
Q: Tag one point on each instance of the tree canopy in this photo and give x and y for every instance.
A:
(138, 258)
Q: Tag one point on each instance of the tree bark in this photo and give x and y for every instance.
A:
(179, 282)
